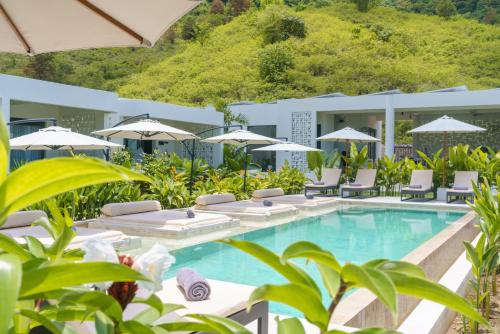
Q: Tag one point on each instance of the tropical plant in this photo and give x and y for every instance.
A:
(169, 192)
(32, 273)
(384, 278)
(315, 163)
(357, 159)
(290, 179)
(484, 256)
(389, 174)
(438, 164)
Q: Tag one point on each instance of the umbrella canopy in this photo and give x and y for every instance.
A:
(34, 26)
(57, 138)
(287, 146)
(348, 134)
(239, 137)
(146, 129)
(446, 124)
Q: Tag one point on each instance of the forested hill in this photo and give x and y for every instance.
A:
(225, 53)
(341, 49)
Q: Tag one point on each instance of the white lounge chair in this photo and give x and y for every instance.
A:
(420, 185)
(462, 186)
(245, 210)
(19, 224)
(365, 181)
(301, 202)
(330, 179)
(146, 218)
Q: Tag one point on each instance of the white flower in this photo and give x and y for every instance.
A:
(153, 264)
(98, 250)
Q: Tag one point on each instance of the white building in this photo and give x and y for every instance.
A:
(303, 120)
(299, 120)
(85, 110)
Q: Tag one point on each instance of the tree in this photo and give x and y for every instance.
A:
(41, 67)
(275, 60)
(188, 30)
(239, 6)
(217, 7)
(279, 25)
(445, 8)
(491, 16)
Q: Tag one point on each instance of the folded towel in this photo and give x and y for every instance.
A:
(190, 213)
(195, 287)
(460, 188)
(267, 202)
(318, 183)
(310, 196)
(355, 184)
(415, 186)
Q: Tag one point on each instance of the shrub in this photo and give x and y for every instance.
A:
(217, 7)
(188, 28)
(445, 8)
(274, 62)
(278, 25)
(239, 6)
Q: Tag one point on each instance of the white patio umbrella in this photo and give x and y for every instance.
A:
(242, 137)
(446, 125)
(287, 146)
(146, 129)
(34, 26)
(58, 138)
(348, 135)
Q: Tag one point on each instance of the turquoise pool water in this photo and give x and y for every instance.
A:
(352, 234)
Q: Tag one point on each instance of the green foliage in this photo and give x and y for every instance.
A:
(445, 8)
(384, 278)
(277, 24)
(389, 174)
(341, 46)
(290, 179)
(122, 158)
(315, 163)
(274, 62)
(357, 159)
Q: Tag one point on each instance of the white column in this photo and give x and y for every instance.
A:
(5, 107)
(389, 126)
(378, 134)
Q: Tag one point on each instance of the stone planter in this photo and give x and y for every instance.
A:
(441, 194)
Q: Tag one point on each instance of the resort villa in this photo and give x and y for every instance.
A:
(336, 229)
(298, 120)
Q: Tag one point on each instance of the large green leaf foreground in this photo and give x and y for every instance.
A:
(384, 278)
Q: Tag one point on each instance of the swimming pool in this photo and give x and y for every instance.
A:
(355, 234)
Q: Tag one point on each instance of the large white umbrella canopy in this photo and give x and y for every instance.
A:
(58, 138)
(146, 129)
(446, 125)
(348, 135)
(38, 26)
(287, 147)
(242, 137)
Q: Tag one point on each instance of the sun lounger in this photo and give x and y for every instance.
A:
(19, 224)
(301, 202)
(462, 186)
(365, 181)
(329, 181)
(420, 185)
(146, 218)
(245, 210)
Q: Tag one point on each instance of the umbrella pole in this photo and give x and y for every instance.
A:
(245, 172)
(192, 167)
(445, 153)
(347, 160)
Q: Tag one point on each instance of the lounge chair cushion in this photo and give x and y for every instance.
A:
(215, 199)
(415, 186)
(23, 218)
(165, 218)
(120, 209)
(263, 193)
(460, 188)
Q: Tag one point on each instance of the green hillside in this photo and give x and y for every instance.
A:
(344, 50)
